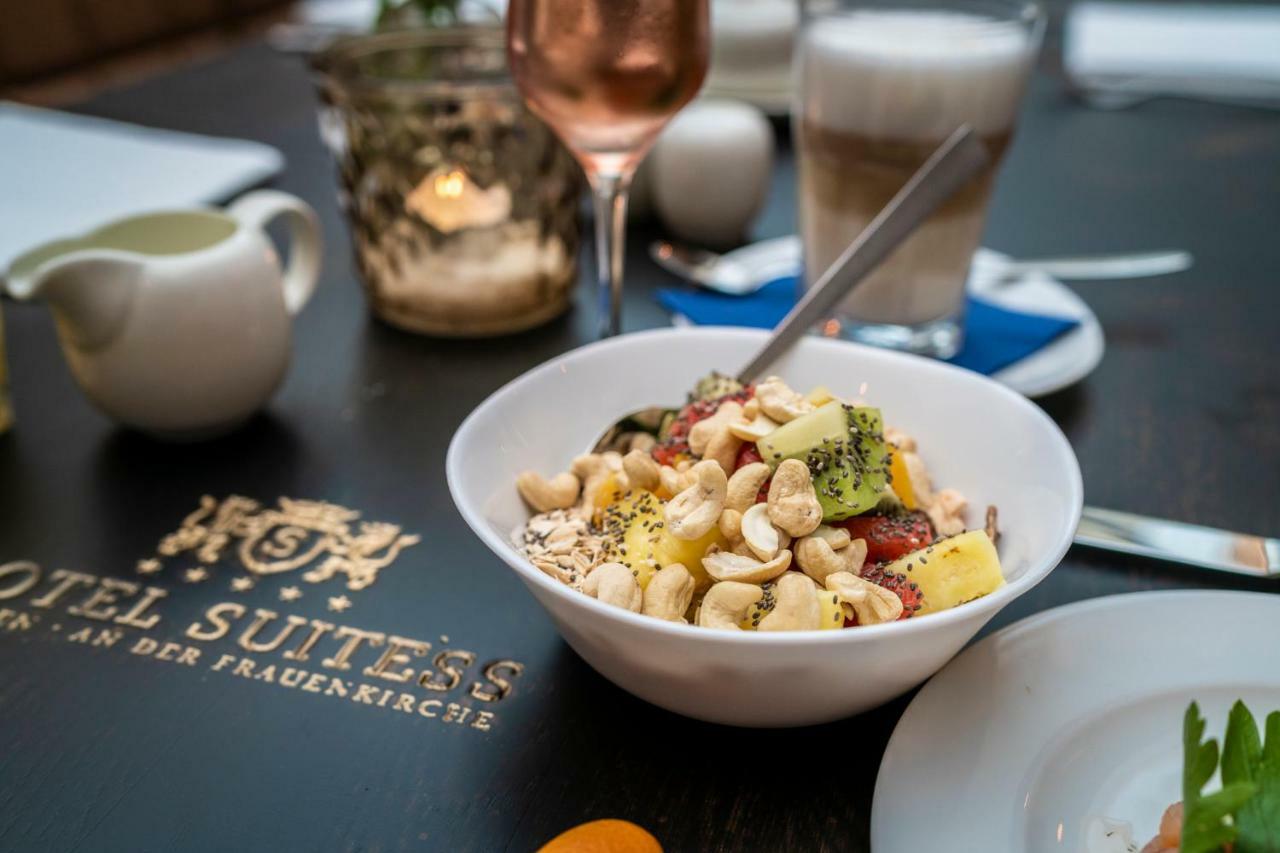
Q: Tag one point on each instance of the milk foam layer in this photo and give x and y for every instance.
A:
(913, 75)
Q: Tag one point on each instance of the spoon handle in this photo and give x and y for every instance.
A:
(948, 169)
(1128, 265)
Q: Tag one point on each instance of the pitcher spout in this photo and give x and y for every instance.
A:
(90, 291)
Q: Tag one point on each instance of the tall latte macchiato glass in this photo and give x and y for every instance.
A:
(880, 86)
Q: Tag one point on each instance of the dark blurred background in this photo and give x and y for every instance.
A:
(47, 46)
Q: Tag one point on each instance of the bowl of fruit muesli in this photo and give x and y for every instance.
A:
(784, 552)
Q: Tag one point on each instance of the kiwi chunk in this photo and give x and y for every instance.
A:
(845, 450)
(715, 385)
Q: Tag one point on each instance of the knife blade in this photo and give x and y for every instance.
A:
(1179, 542)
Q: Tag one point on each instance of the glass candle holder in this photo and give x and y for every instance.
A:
(464, 208)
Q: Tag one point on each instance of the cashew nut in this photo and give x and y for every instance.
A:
(731, 524)
(918, 476)
(723, 449)
(642, 441)
(750, 409)
(779, 402)
(692, 513)
(593, 469)
(674, 481)
(872, 603)
(818, 560)
(745, 485)
(727, 566)
(726, 604)
(560, 492)
(946, 511)
(755, 428)
(793, 504)
(613, 583)
(836, 537)
(711, 438)
(796, 605)
(899, 439)
(760, 534)
(641, 469)
(701, 432)
(669, 593)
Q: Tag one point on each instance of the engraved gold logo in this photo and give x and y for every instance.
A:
(293, 535)
(321, 542)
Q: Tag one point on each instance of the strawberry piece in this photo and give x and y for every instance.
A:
(899, 585)
(889, 537)
(670, 451)
(747, 454)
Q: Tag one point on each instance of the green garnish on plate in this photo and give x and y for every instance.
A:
(1245, 812)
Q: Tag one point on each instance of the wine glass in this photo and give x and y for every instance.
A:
(607, 75)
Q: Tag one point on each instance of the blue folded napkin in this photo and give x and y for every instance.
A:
(994, 337)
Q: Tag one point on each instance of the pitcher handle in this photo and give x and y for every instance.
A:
(258, 208)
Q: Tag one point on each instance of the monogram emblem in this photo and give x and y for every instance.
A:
(325, 539)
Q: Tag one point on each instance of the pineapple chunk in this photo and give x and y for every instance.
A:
(608, 493)
(829, 605)
(952, 571)
(901, 482)
(759, 610)
(820, 396)
(633, 526)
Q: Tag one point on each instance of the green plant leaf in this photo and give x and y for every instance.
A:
(1205, 828)
(1241, 748)
(1199, 760)
(1245, 758)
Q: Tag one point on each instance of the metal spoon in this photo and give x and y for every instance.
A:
(725, 274)
(946, 171)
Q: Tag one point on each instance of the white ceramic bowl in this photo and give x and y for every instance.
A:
(975, 435)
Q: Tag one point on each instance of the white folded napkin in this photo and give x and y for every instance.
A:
(63, 174)
(1127, 52)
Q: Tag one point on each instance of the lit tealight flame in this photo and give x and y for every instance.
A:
(449, 200)
(450, 185)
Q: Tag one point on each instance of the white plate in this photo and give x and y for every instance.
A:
(1068, 715)
(1060, 364)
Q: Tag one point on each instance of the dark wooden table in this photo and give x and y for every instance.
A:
(118, 746)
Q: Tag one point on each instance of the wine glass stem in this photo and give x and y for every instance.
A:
(609, 192)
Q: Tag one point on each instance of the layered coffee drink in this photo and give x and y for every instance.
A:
(879, 90)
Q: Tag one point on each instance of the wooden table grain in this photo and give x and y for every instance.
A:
(104, 750)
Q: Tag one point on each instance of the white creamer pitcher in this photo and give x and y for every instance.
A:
(178, 323)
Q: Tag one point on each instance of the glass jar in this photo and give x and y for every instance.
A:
(464, 208)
